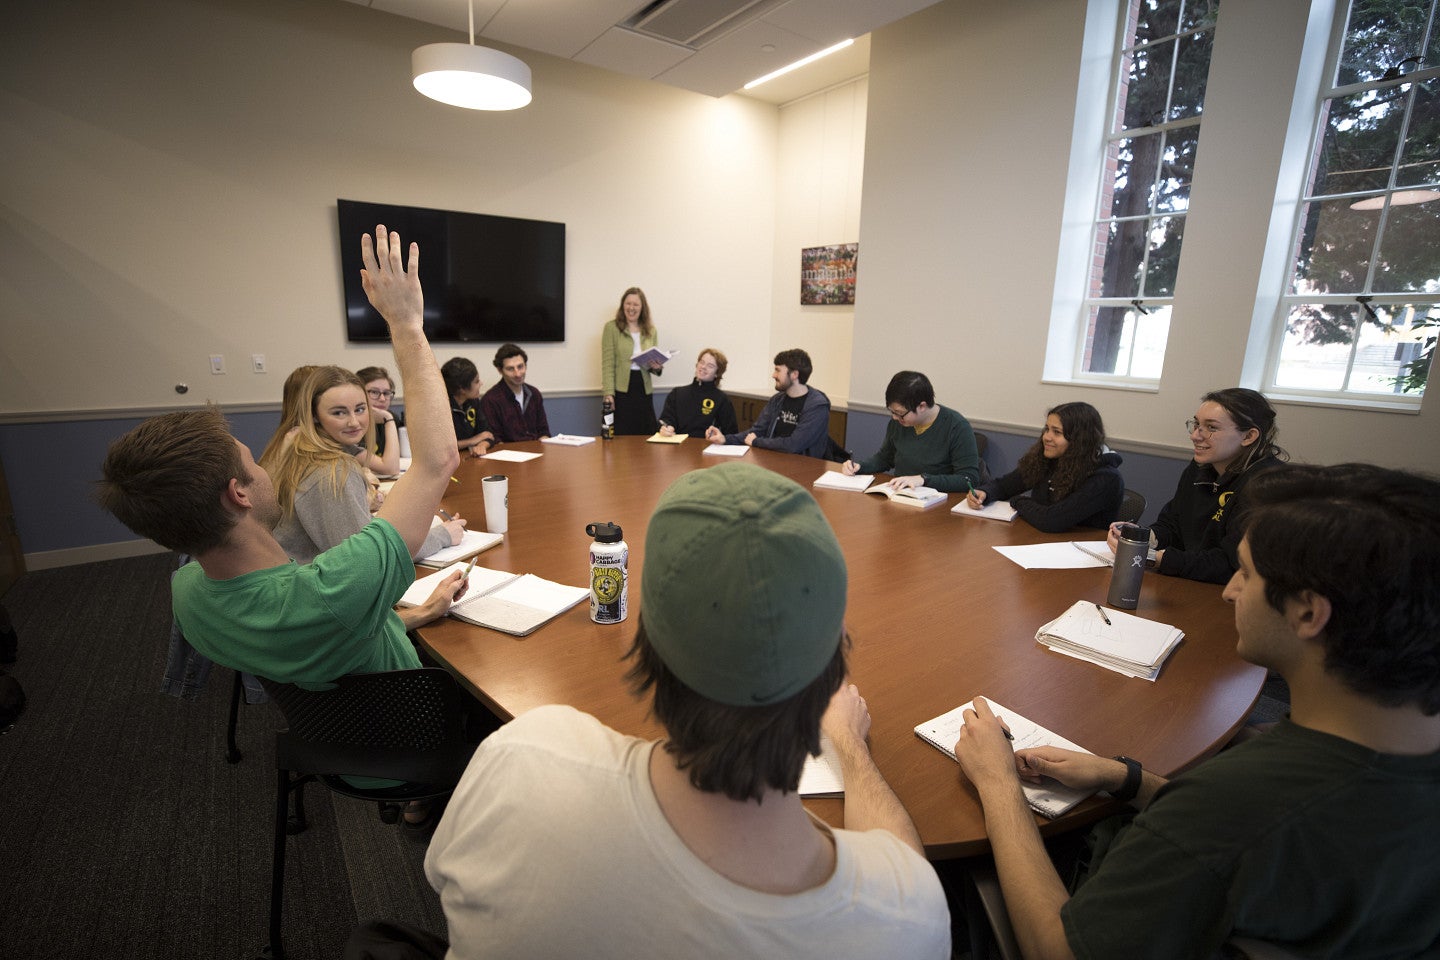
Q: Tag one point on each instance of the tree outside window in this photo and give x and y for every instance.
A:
(1159, 94)
(1362, 307)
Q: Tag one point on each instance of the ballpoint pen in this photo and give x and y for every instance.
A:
(1101, 610)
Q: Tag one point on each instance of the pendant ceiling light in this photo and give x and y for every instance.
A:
(464, 75)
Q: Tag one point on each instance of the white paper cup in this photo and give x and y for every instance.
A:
(497, 502)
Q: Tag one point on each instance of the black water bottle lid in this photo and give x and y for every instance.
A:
(609, 532)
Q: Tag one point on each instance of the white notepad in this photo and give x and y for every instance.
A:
(835, 480)
(992, 510)
(822, 776)
(512, 456)
(726, 450)
(568, 440)
(510, 603)
(1054, 556)
(471, 543)
(1049, 799)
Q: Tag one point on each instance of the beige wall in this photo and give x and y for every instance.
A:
(822, 161)
(171, 170)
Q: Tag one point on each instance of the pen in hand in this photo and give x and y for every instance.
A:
(446, 514)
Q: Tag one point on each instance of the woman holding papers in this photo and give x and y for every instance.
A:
(695, 408)
(1069, 478)
(321, 487)
(1198, 531)
(926, 445)
(625, 385)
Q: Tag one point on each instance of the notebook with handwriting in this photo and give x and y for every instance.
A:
(1049, 799)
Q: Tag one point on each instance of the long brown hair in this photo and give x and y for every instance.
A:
(1085, 436)
(313, 449)
(646, 329)
(290, 412)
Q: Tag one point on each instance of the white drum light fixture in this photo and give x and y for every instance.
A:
(464, 75)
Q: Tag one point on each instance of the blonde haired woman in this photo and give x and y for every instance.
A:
(320, 485)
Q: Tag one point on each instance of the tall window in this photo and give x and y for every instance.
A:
(1361, 308)
(1159, 94)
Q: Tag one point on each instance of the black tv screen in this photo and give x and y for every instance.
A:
(486, 278)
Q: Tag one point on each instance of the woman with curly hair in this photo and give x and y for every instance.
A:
(321, 487)
(1069, 478)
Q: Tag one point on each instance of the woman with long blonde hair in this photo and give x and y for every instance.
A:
(321, 487)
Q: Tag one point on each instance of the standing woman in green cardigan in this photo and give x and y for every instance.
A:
(624, 384)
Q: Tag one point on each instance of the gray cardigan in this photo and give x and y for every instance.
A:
(321, 521)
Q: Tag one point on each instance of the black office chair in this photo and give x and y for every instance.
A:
(1132, 505)
(405, 725)
(982, 444)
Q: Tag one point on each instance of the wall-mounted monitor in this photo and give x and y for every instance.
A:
(487, 279)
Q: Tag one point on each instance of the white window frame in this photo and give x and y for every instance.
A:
(1326, 89)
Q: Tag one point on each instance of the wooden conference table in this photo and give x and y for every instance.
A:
(936, 617)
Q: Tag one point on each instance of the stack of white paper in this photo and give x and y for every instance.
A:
(726, 450)
(568, 440)
(1127, 644)
(822, 775)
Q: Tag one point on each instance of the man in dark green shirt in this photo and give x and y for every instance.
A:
(1317, 836)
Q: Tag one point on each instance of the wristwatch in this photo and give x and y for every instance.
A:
(1131, 786)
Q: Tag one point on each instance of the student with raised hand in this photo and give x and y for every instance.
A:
(700, 405)
(383, 456)
(183, 481)
(626, 384)
(1198, 532)
(1069, 478)
(472, 432)
(926, 445)
(319, 484)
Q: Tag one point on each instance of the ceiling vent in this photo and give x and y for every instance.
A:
(694, 23)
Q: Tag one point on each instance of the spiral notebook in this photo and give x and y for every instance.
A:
(1049, 799)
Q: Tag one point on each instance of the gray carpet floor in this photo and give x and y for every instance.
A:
(126, 834)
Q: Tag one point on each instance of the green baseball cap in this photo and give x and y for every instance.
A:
(743, 585)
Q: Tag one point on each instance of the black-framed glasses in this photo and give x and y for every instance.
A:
(381, 394)
(901, 415)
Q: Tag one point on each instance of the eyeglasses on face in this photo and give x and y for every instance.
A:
(381, 394)
(901, 415)
(1192, 425)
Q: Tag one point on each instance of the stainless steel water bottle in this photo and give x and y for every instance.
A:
(1131, 550)
(609, 573)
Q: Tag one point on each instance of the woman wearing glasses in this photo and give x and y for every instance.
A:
(384, 456)
(1069, 478)
(926, 445)
(1198, 531)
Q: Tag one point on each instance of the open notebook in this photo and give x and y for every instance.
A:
(1049, 799)
(512, 603)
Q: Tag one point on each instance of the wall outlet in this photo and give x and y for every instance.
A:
(217, 363)
(257, 362)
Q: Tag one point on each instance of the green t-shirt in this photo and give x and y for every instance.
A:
(307, 623)
(1298, 838)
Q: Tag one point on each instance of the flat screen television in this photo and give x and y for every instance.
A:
(486, 278)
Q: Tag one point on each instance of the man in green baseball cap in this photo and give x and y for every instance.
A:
(567, 838)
